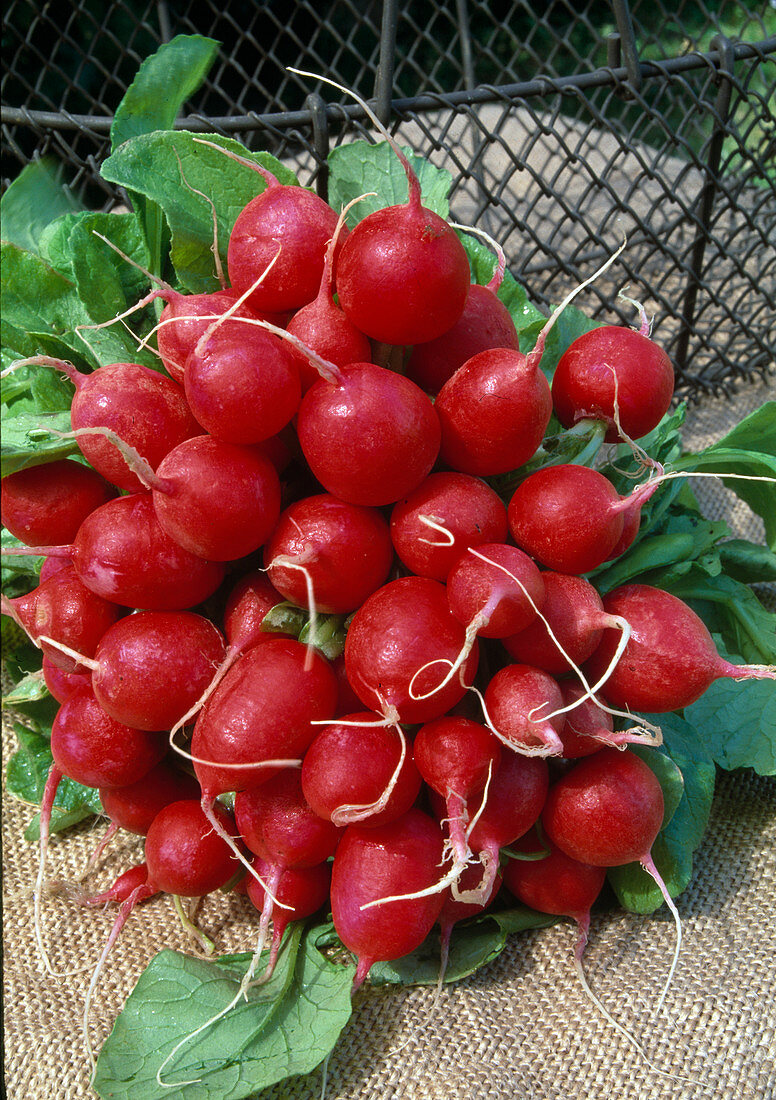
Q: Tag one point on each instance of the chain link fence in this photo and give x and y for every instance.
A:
(565, 125)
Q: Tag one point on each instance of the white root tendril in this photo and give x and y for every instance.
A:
(218, 828)
(436, 524)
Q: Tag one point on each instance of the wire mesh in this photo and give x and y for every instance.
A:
(564, 125)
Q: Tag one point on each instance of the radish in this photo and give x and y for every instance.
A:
(372, 864)
(402, 274)
(495, 409)
(512, 802)
(261, 711)
(133, 807)
(445, 515)
(217, 500)
(370, 436)
(455, 757)
(122, 554)
(402, 628)
(575, 614)
(555, 884)
(495, 589)
(670, 659)
(145, 409)
(321, 324)
(186, 318)
(617, 375)
(66, 613)
(516, 702)
(151, 666)
(61, 684)
(242, 386)
(123, 888)
(297, 220)
(44, 505)
(485, 323)
(278, 825)
(94, 749)
(299, 892)
(571, 518)
(382, 788)
(336, 551)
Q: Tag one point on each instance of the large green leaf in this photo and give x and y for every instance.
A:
(286, 1026)
(32, 200)
(738, 723)
(162, 85)
(359, 168)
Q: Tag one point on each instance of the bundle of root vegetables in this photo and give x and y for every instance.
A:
(319, 599)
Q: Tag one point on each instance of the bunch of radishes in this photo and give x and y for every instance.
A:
(267, 498)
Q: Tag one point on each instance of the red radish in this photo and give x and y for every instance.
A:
(133, 807)
(554, 884)
(670, 659)
(262, 710)
(402, 274)
(122, 554)
(44, 505)
(61, 684)
(616, 375)
(372, 864)
(370, 436)
(322, 326)
(94, 749)
(297, 220)
(184, 855)
(123, 888)
(186, 318)
(589, 728)
(150, 667)
(384, 785)
(341, 552)
(570, 518)
(52, 565)
(216, 500)
(446, 514)
(246, 606)
(485, 323)
(495, 409)
(575, 614)
(402, 628)
(144, 408)
(278, 825)
(65, 611)
(517, 700)
(301, 891)
(455, 757)
(242, 386)
(496, 588)
(606, 811)
(511, 804)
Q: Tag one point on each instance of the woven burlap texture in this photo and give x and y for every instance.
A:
(521, 1028)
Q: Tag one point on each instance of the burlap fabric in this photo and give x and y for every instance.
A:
(520, 1029)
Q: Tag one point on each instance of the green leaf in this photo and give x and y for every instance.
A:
(18, 565)
(164, 82)
(286, 1027)
(28, 770)
(747, 561)
(30, 689)
(472, 944)
(360, 167)
(737, 720)
(105, 282)
(673, 849)
(731, 609)
(45, 306)
(24, 444)
(151, 165)
(685, 538)
(32, 200)
(60, 822)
